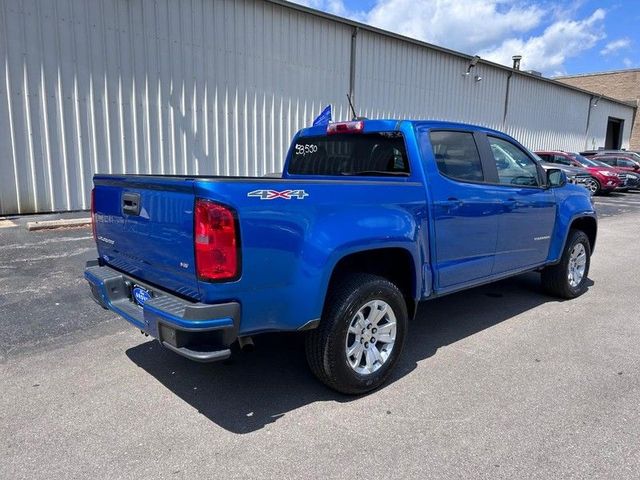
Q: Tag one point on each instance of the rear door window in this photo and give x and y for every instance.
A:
(374, 154)
(456, 155)
(515, 167)
(623, 162)
(562, 160)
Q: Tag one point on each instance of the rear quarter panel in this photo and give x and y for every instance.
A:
(290, 247)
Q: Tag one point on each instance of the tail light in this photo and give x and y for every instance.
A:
(93, 215)
(345, 127)
(216, 241)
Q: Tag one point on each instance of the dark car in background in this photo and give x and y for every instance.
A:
(604, 179)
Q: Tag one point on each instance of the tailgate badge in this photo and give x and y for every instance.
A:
(273, 194)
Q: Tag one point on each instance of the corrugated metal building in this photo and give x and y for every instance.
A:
(220, 86)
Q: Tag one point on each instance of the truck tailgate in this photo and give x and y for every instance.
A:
(144, 227)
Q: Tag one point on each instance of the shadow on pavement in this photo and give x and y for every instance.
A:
(254, 389)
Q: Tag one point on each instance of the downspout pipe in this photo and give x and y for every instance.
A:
(506, 101)
(586, 130)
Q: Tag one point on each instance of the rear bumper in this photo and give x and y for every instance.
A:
(197, 331)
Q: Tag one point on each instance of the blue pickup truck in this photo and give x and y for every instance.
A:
(369, 218)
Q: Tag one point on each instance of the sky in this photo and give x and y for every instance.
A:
(561, 37)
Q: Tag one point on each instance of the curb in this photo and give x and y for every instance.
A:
(4, 223)
(49, 224)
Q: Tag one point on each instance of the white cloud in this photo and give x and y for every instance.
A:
(456, 24)
(548, 51)
(493, 29)
(465, 25)
(627, 62)
(615, 46)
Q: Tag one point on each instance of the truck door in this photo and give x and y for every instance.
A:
(529, 210)
(463, 209)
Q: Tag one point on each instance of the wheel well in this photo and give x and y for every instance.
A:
(589, 226)
(394, 264)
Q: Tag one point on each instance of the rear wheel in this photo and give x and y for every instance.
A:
(361, 334)
(568, 278)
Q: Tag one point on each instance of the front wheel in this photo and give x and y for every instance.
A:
(593, 186)
(360, 336)
(568, 279)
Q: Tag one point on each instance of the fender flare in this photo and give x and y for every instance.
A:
(569, 228)
(341, 254)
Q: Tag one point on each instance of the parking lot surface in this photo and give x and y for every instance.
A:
(500, 381)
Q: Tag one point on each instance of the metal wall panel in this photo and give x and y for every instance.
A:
(556, 118)
(220, 86)
(397, 79)
(542, 116)
(600, 114)
(199, 87)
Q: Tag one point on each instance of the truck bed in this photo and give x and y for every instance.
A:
(290, 232)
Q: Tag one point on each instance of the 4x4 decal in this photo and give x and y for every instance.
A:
(273, 194)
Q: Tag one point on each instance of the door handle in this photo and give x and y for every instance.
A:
(450, 204)
(131, 203)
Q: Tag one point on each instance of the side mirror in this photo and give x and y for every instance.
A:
(556, 178)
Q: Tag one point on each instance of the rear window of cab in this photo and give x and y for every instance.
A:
(365, 154)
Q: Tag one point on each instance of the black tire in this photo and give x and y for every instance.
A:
(555, 279)
(325, 346)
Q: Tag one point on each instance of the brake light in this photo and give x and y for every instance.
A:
(345, 127)
(93, 214)
(216, 241)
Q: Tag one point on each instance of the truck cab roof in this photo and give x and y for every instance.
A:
(389, 125)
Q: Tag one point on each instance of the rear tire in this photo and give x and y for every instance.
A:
(568, 279)
(358, 304)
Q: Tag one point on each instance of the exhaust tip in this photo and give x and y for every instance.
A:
(246, 344)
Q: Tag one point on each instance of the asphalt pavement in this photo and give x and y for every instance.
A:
(500, 381)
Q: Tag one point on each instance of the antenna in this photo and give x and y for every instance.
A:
(353, 110)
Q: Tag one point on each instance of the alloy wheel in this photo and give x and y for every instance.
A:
(577, 264)
(370, 337)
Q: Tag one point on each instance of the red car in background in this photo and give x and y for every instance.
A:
(625, 153)
(604, 179)
(624, 165)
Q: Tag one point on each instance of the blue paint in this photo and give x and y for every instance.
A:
(289, 247)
